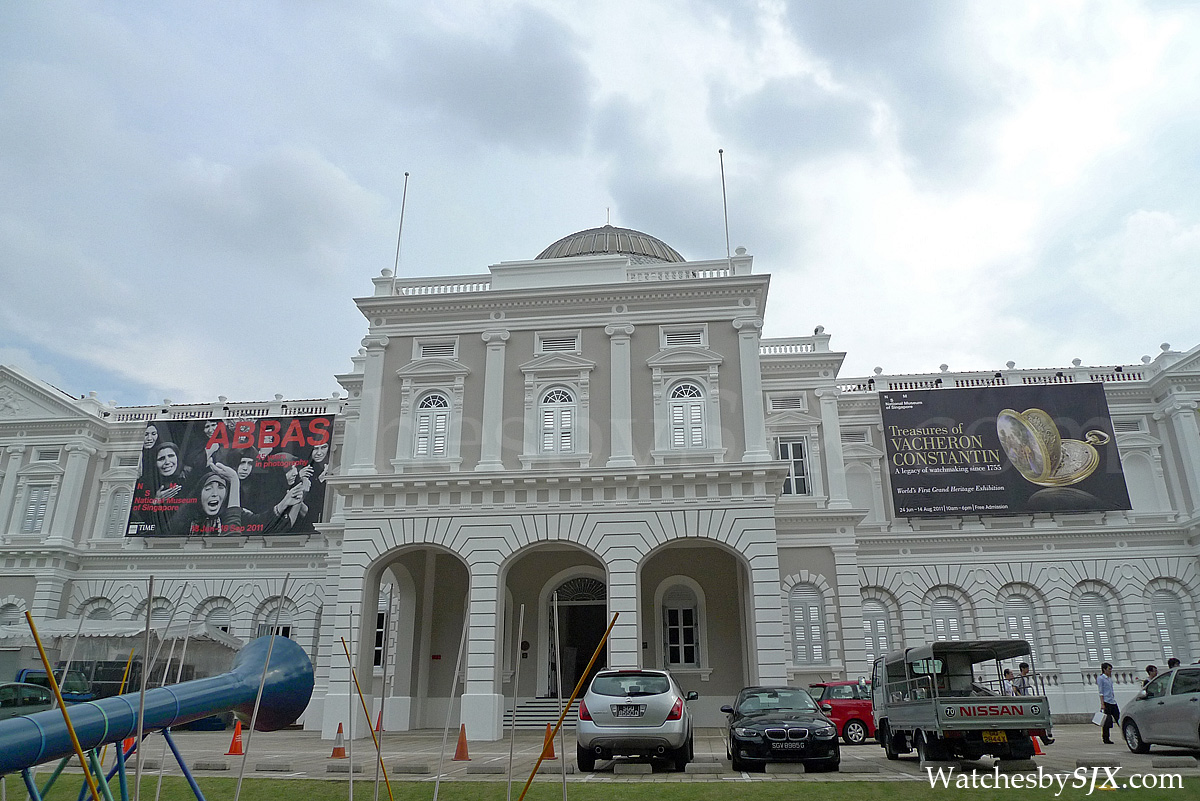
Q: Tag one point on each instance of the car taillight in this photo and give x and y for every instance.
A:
(583, 711)
(677, 710)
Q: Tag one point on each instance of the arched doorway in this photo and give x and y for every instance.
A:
(582, 611)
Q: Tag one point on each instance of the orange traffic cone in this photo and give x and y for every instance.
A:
(379, 723)
(548, 744)
(339, 745)
(460, 752)
(235, 745)
(128, 743)
(1037, 749)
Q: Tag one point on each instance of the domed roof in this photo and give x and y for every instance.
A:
(643, 248)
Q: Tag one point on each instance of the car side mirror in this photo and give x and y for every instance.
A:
(727, 709)
(826, 708)
(1142, 695)
(692, 696)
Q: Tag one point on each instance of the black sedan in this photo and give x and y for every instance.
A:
(780, 724)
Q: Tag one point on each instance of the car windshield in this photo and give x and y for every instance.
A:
(772, 700)
(76, 682)
(631, 684)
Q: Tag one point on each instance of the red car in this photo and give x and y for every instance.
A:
(848, 704)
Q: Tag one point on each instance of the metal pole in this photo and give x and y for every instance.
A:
(574, 694)
(350, 701)
(141, 721)
(261, 684)
(512, 731)
(383, 684)
(462, 645)
(363, 700)
(562, 742)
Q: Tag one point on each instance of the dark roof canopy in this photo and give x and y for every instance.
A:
(607, 239)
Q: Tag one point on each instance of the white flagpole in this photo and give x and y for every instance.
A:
(512, 732)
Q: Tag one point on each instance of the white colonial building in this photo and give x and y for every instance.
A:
(606, 423)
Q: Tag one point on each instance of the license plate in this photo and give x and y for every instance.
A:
(628, 710)
(789, 746)
(995, 737)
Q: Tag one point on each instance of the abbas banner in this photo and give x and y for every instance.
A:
(1002, 451)
(221, 478)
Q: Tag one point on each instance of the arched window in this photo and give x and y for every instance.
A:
(681, 627)
(432, 425)
(118, 513)
(10, 615)
(558, 421)
(1094, 622)
(687, 417)
(220, 617)
(266, 617)
(99, 613)
(808, 624)
(1166, 612)
(876, 630)
(1020, 622)
(947, 619)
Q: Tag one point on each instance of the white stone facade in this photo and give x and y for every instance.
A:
(611, 427)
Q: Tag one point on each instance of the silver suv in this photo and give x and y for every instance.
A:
(634, 713)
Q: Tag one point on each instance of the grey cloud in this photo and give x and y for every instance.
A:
(530, 91)
(918, 58)
(293, 204)
(794, 119)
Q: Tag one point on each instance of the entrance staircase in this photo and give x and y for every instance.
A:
(535, 713)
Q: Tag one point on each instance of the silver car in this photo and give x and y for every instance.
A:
(634, 713)
(1165, 712)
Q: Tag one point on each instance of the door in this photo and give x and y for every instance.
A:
(1181, 722)
(1153, 719)
(579, 632)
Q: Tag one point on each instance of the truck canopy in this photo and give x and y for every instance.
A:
(975, 650)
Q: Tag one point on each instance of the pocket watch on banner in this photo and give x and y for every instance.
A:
(1034, 446)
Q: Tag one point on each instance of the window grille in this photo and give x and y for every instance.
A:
(445, 349)
(1095, 622)
(876, 630)
(432, 425)
(808, 624)
(947, 619)
(48, 454)
(220, 618)
(1166, 611)
(782, 404)
(676, 339)
(1020, 621)
(35, 509)
(687, 417)
(558, 421)
(118, 515)
(552, 344)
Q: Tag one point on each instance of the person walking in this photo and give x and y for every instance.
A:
(1108, 701)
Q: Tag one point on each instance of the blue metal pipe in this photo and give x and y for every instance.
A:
(34, 739)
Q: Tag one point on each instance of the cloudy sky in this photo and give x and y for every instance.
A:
(192, 193)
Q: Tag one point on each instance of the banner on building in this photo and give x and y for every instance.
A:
(1001, 451)
(222, 478)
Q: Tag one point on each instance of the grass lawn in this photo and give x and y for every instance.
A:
(221, 789)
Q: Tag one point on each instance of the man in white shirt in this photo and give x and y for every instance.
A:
(1108, 701)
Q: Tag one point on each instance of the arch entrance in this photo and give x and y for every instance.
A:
(582, 606)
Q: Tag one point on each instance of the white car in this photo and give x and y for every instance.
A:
(1165, 712)
(634, 712)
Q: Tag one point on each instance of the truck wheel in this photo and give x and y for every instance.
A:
(889, 743)
(922, 748)
(854, 732)
(1133, 738)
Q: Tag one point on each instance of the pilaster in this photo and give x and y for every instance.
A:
(753, 417)
(492, 435)
(621, 396)
(369, 406)
(831, 438)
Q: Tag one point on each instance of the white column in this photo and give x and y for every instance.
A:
(1182, 414)
(8, 489)
(70, 495)
(831, 438)
(769, 658)
(492, 436)
(625, 642)
(849, 602)
(753, 418)
(621, 396)
(367, 431)
(482, 706)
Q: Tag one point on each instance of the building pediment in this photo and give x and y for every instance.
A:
(1188, 363)
(558, 363)
(432, 368)
(793, 419)
(23, 397)
(44, 469)
(684, 357)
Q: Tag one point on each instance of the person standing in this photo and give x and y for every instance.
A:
(1151, 674)
(1108, 701)
(1022, 684)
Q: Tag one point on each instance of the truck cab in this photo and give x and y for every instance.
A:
(950, 699)
(75, 688)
